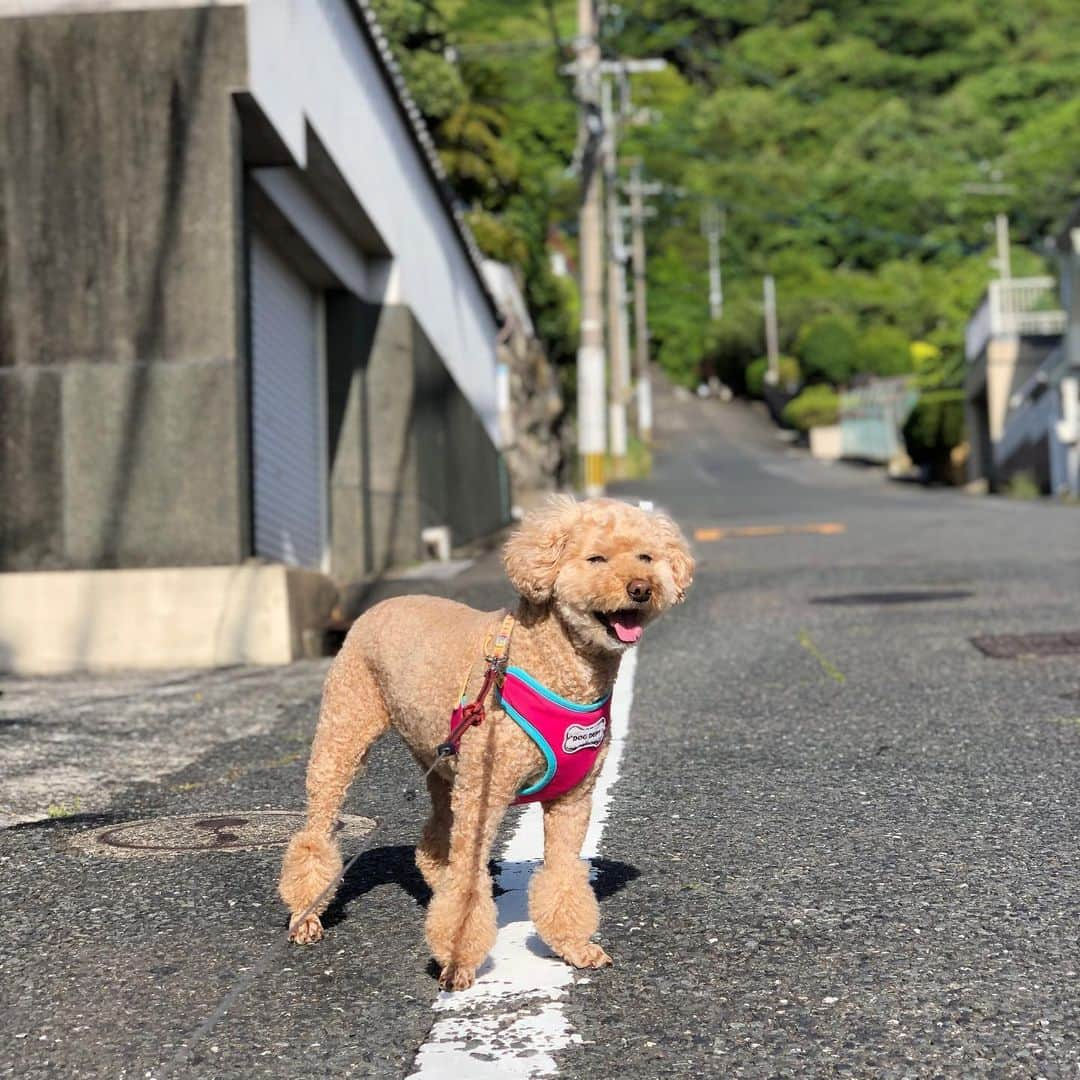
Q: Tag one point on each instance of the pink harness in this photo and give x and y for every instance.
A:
(568, 735)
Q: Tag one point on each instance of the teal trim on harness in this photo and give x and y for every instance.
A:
(540, 688)
(549, 754)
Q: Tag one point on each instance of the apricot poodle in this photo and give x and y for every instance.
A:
(591, 577)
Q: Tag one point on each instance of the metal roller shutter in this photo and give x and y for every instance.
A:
(287, 385)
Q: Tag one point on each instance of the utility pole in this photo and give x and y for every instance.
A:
(618, 329)
(618, 346)
(772, 373)
(1000, 190)
(712, 225)
(1004, 264)
(596, 127)
(638, 191)
(590, 357)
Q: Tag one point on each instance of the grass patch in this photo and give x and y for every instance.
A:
(827, 665)
(637, 465)
(57, 811)
(1023, 485)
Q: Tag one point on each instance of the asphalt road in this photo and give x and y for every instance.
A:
(842, 840)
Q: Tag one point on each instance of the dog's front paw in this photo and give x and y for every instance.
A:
(454, 977)
(589, 955)
(306, 931)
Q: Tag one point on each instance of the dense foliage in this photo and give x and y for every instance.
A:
(859, 148)
(788, 370)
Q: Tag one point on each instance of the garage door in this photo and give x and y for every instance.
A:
(287, 383)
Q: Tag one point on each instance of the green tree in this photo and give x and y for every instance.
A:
(828, 350)
(885, 350)
(842, 137)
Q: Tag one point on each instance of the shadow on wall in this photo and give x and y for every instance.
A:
(184, 92)
(369, 439)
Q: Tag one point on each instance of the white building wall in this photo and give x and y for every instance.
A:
(309, 62)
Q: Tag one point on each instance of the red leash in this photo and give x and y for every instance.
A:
(467, 715)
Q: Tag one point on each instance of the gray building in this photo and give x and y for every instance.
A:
(1014, 330)
(1063, 378)
(1024, 375)
(246, 347)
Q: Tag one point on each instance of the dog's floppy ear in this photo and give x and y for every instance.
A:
(676, 552)
(532, 554)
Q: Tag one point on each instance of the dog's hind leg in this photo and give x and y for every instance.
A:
(353, 715)
(433, 851)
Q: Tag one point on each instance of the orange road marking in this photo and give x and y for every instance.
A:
(824, 528)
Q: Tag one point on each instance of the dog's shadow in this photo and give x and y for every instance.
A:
(396, 865)
(392, 865)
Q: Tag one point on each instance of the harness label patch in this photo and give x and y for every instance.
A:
(579, 737)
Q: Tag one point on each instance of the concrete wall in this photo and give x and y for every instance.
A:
(407, 450)
(1001, 369)
(121, 316)
(461, 479)
(161, 618)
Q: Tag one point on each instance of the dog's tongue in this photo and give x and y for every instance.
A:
(627, 626)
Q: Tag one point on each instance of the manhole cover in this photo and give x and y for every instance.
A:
(1015, 646)
(198, 833)
(909, 596)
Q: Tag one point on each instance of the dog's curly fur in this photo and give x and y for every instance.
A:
(404, 663)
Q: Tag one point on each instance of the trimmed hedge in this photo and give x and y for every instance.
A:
(816, 406)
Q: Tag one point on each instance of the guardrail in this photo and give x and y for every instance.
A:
(1014, 308)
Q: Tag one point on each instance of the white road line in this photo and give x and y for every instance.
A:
(511, 1022)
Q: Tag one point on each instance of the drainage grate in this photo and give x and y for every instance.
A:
(206, 833)
(1015, 646)
(910, 596)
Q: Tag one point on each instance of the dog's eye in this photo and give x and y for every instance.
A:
(596, 559)
(645, 558)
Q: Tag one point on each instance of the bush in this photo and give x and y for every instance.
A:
(790, 375)
(755, 377)
(828, 350)
(885, 350)
(816, 406)
(731, 341)
(935, 426)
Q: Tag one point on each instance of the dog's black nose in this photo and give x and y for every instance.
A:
(639, 591)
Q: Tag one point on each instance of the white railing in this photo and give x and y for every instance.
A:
(1014, 308)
